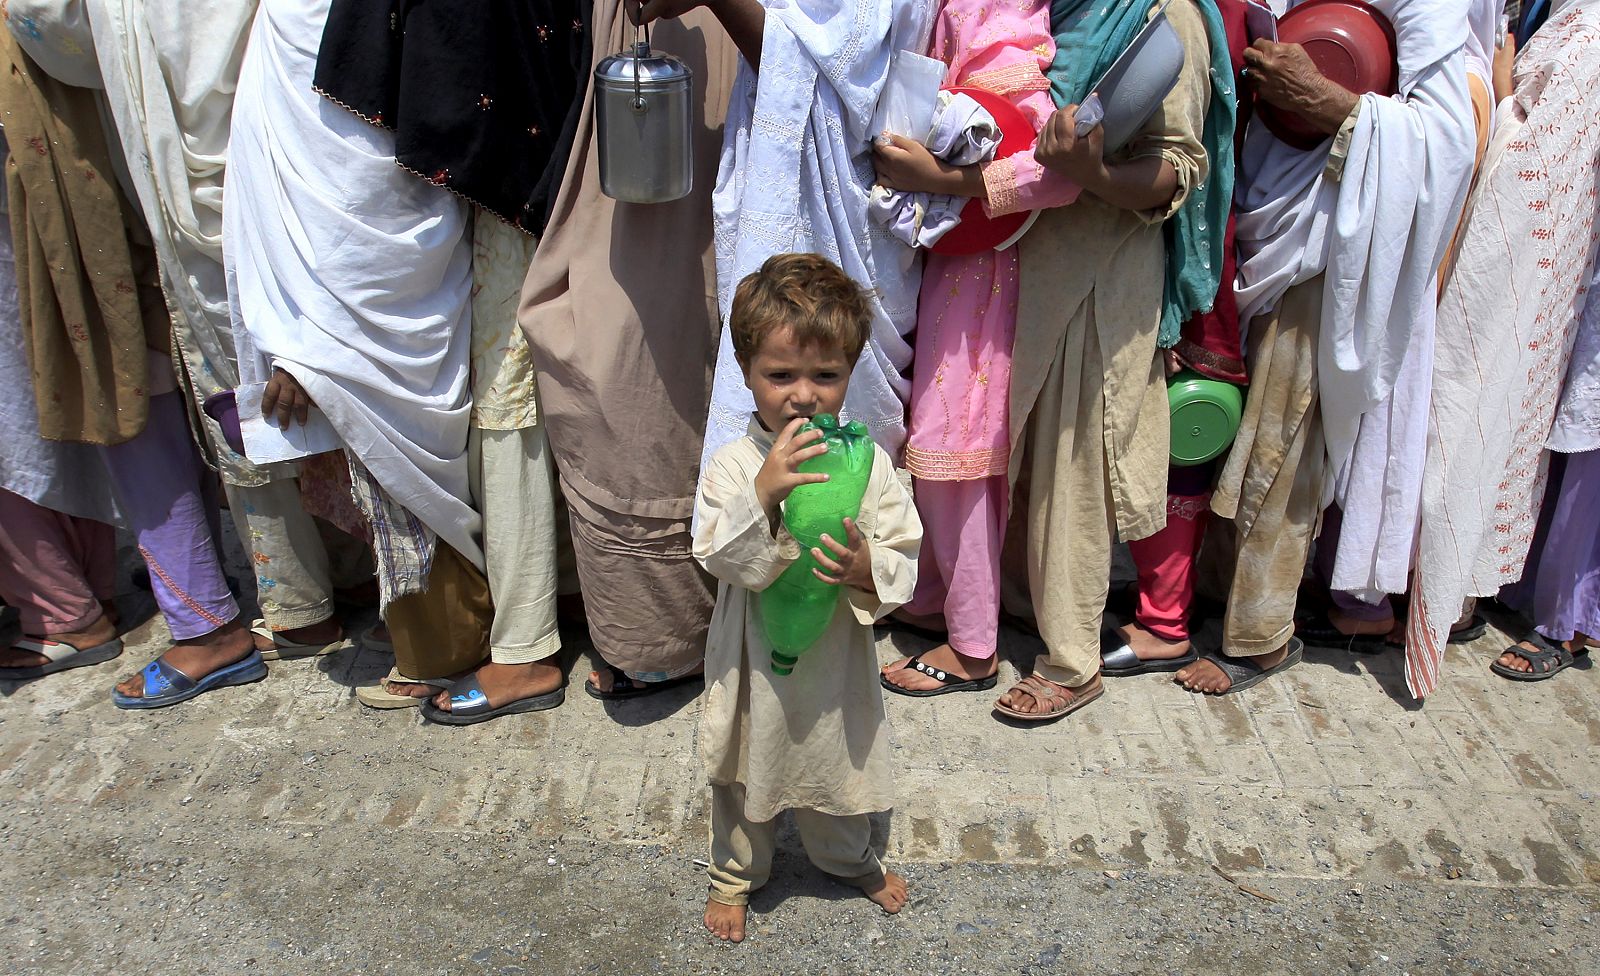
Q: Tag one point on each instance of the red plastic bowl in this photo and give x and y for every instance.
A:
(1351, 43)
(977, 230)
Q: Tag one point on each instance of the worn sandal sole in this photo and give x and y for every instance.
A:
(245, 672)
(1243, 677)
(537, 703)
(98, 654)
(1078, 701)
(650, 688)
(1153, 666)
(1513, 674)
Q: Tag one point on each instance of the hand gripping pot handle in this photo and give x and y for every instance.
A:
(645, 120)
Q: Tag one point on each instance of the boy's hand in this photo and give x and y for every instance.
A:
(1060, 149)
(850, 566)
(285, 395)
(779, 474)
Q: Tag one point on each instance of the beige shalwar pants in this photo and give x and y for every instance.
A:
(741, 850)
(1271, 485)
(513, 487)
(287, 553)
(1072, 508)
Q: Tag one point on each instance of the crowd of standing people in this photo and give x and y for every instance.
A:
(349, 270)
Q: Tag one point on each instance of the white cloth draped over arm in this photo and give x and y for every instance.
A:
(796, 138)
(352, 275)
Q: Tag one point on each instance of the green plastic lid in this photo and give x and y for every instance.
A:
(1205, 416)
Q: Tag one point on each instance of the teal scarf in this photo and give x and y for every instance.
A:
(1089, 35)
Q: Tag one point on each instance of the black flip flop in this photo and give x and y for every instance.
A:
(1319, 631)
(621, 680)
(1548, 661)
(1117, 659)
(949, 682)
(469, 705)
(1245, 673)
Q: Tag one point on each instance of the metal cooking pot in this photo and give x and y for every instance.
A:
(645, 121)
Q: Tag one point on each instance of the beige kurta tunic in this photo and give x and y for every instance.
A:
(1087, 389)
(816, 739)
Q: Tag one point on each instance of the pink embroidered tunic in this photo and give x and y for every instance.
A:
(967, 314)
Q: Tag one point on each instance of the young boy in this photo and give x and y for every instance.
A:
(814, 741)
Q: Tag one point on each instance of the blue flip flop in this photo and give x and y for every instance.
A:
(165, 685)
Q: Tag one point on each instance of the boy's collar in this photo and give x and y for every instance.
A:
(759, 432)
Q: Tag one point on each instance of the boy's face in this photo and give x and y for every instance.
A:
(789, 380)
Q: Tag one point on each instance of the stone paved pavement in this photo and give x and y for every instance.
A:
(1327, 773)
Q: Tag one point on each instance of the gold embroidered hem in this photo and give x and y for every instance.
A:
(957, 465)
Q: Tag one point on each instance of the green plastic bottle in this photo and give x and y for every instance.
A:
(798, 607)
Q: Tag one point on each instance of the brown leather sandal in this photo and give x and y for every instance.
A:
(1059, 702)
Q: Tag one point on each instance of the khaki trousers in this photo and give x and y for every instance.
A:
(1071, 505)
(1272, 483)
(287, 554)
(741, 850)
(444, 629)
(513, 487)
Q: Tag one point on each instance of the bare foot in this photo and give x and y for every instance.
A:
(887, 892)
(726, 922)
(1206, 678)
(1345, 623)
(325, 632)
(198, 657)
(96, 633)
(945, 658)
(505, 683)
(1147, 646)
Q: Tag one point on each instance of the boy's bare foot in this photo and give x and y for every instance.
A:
(726, 922)
(199, 656)
(1147, 646)
(1347, 623)
(945, 658)
(505, 683)
(887, 892)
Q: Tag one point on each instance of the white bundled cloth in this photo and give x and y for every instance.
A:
(1377, 231)
(799, 142)
(963, 134)
(352, 275)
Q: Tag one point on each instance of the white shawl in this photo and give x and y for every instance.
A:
(1378, 230)
(351, 274)
(1505, 332)
(797, 139)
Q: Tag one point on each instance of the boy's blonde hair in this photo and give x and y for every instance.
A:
(807, 294)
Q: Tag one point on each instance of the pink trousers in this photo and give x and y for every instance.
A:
(958, 573)
(1165, 562)
(54, 568)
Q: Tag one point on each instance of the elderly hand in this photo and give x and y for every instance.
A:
(1059, 149)
(287, 397)
(1285, 77)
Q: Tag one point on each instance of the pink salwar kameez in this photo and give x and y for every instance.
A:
(958, 450)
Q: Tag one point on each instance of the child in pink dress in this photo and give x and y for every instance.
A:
(958, 451)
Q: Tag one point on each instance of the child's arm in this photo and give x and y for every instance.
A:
(740, 537)
(889, 558)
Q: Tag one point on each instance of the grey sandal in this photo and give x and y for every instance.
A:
(60, 656)
(1117, 659)
(1245, 673)
(1548, 660)
(947, 682)
(469, 705)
